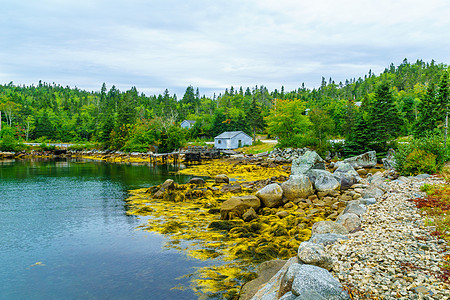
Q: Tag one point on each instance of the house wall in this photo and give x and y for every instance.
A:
(185, 125)
(232, 143)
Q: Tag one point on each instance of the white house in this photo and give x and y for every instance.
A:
(232, 140)
(187, 124)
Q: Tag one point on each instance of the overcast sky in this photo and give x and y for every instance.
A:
(214, 44)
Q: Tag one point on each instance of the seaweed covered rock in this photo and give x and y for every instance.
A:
(298, 186)
(309, 160)
(271, 195)
(249, 215)
(197, 181)
(237, 206)
(221, 178)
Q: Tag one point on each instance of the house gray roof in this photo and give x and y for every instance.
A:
(229, 134)
(190, 121)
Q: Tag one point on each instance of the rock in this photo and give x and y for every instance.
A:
(249, 215)
(368, 201)
(231, 188)
(326, 238)
(288, 279)
(372, 192)
(423, 176)
(328, 227)
(271, 195)
(169, 184)
(298, 186)
(221, 178)
(365, 160)
(314, 254)
(350, 221)
(317, 281)
(389, 161)
(197, 181)
(309, 160)
(355, 207)
(237, 206)
(265, 271)
(346, 174)
(323, 180)
(361, 172)
(282, 214)
(288, 296)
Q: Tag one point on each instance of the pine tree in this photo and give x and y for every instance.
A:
(254, 117)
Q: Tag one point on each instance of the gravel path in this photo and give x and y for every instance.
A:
(394, 256)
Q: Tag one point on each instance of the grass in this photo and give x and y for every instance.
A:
(258, 147)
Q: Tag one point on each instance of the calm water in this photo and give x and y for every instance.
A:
(64, 234)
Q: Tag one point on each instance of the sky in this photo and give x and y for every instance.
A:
(156, 45)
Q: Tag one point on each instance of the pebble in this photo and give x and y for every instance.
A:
(394, 256)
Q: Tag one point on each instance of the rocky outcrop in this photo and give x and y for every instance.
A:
(237, 206)
(271, 195)
(298, 186)
(365, 160)
(309, 160)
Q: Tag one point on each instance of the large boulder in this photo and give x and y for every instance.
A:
(271, 195)
(355, 207)
(323, 180)
(298, 186)
(314, 254)
(237, 206)
(327, 238)
(350, 221)
(313, 280)
(309, 160)
(328, 227)
(365, 160)
(346, 175)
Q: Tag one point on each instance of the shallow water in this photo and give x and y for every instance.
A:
(65, 234)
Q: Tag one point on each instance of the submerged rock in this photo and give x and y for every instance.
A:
(237, 206)
(271, 195)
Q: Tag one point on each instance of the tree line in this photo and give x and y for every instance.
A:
(368, 112)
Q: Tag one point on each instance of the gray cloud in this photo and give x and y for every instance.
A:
(172, 44)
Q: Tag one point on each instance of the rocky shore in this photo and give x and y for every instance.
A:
(387, 253)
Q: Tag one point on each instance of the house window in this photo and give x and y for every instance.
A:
(239, 143)
(219, 142)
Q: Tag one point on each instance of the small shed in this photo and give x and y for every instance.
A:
(187, 124)
(232, 140)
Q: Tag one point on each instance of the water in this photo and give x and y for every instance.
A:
(64, 234)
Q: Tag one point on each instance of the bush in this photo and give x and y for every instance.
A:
(425, 154)
(8, 142)
(45, 147)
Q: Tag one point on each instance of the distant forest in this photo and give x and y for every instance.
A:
(368, 112)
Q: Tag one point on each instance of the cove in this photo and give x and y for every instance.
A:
(65, 234)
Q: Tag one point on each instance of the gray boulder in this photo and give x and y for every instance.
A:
(423, 176)
(350, 221)
(355, 207)
(346, 175)
(288, 296)
(365, 160)
(328, 227)
(197, 181)
(323, 180)
(368, 201)
(327, 238)
(372, 192)
(271, 195)
(314, 254)
(309, 160)
(288, 279)
(312, 280)
(298, 186)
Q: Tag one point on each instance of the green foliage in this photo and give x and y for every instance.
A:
(172, 139)
(425, 154)
(45, 147)
(7, 140)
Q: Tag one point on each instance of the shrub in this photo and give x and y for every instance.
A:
(45, 147)
(425, 154)
(420, 161)
(8, 142)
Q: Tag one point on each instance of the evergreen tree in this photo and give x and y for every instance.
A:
(254, 118)
(359, 137)
(427, 120)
